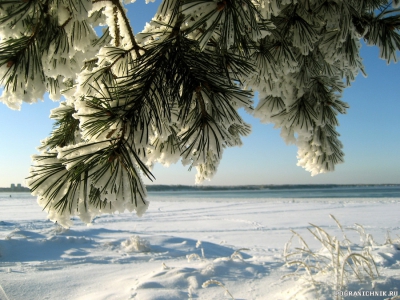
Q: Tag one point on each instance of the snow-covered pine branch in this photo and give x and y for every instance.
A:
(173, 91)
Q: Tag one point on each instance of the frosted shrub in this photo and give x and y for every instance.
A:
(237, 254)
(338, 261)
(212, 281)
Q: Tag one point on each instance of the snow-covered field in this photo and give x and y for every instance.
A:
(178, 246)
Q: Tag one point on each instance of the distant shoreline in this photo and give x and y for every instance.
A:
(164, 187)
(10, 190)
(156, 187)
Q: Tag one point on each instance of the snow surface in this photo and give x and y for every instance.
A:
(177, 246)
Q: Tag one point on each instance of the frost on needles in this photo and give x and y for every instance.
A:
(173, 91)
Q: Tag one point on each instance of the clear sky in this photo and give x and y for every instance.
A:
(370, 132)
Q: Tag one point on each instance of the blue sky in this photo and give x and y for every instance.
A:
(369, 132)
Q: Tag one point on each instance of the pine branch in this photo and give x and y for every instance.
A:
(228, 18)
(119, 8)
(65, 128)
(173, 91)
